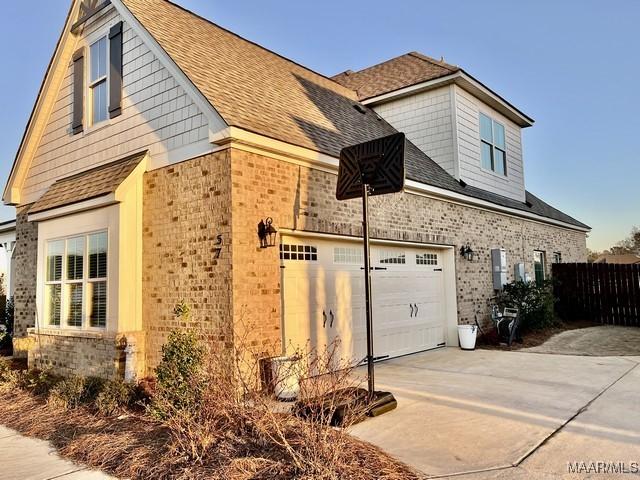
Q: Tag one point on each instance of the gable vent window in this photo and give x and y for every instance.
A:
(98, 80)
(75, 290)
(298, 252)
(492, 145)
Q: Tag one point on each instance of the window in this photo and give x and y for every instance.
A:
(387, 256)
(53, 282)
(492, 145)
(98, 80)
(348, 256)
(298, 252)
(427, 259)
(538, 266)
(75, 290)
(557, 257)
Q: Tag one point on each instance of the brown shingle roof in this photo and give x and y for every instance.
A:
(621, 259)
(86, 185)
(399, 72)
(256, 89)
(260, 91)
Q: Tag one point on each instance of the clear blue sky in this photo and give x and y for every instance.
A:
(571, 65)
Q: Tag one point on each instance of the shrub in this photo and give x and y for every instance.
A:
(535, 303)
(180, 379)
(6, 326)
(6, 373)
(69, 392)
(116, 395)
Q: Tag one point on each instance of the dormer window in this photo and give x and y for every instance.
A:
(492, 145)
(98, 80)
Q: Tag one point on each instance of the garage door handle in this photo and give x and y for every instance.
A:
(324, 319)
(411, 307)
(416, 307)
(331, 315)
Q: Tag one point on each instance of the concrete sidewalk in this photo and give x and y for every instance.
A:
(26, 458)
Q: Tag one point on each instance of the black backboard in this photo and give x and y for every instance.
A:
(378, 163)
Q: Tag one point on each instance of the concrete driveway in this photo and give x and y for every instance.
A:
(507, 414)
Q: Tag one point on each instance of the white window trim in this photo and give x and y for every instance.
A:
(91, 85)
(493, 146)
(543, 258)
(106, 219)
(64, 282)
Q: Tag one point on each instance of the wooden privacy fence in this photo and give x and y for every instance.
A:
(603, 292)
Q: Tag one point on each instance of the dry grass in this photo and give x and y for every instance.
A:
(136, 447)
(237, 432)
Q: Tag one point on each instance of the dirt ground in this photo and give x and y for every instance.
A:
(532, 339)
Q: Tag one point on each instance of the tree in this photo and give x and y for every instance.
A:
(631, 244)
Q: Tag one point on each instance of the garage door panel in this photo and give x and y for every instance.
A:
(408, 298)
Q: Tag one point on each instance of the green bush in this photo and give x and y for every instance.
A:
(116, 395)
(179, 375)
(535, 303)
(6, 331)
(70, 392)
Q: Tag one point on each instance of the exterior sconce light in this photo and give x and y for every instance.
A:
(267, 233)
(467, 253)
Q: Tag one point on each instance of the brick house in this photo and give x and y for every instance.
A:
(159, 141)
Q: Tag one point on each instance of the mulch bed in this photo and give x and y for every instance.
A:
(134, 446)
(533, 338)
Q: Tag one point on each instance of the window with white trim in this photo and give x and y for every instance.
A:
(98, 68)
(298, 252)
(493, 151)
(75, 290)
(557, 257)
(390, 256)
(426, 259)
(348, 256)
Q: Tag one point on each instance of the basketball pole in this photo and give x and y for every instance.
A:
(367, 288)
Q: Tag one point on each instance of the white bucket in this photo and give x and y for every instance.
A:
(467, 335)
(286, 385)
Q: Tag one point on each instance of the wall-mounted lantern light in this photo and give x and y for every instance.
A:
(267, 233)
(467, 253)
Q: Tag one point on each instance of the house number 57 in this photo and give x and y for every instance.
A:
(217, 250)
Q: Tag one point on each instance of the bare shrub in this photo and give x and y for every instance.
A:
(241, 428)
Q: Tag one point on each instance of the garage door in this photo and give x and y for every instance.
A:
(323, 297)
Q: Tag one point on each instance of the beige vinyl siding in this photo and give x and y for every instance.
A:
(468, 110)
(157, 115)
(426, 120)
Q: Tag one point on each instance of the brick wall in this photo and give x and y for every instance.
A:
(186, 207)
(74, 354)
(25, 258)
(301, 198)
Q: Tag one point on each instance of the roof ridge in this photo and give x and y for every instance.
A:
(439, 63)
(357, 72)
(418, 55)
(186, 10)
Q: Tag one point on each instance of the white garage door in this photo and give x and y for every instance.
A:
(323, 297)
